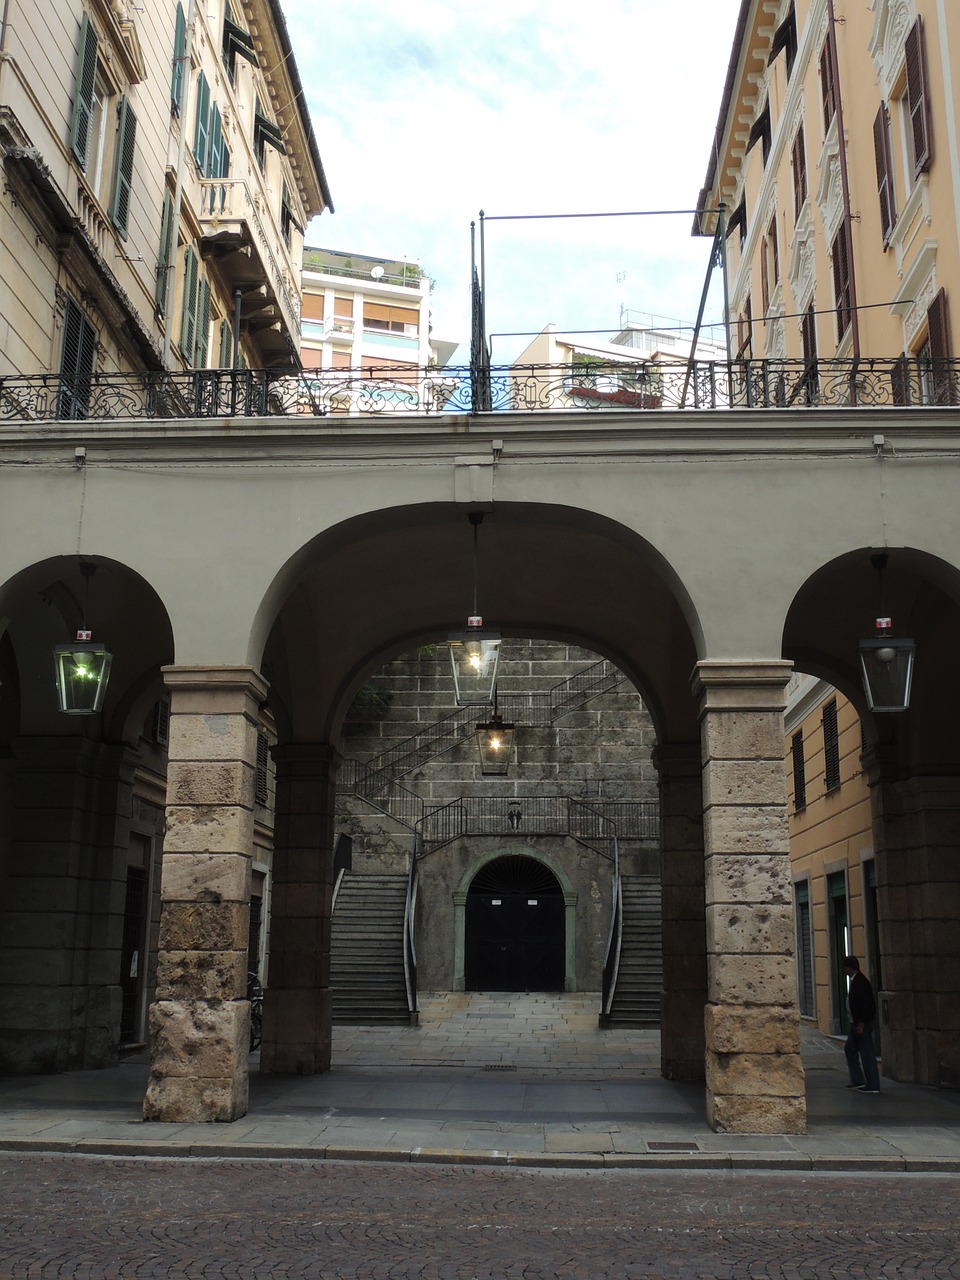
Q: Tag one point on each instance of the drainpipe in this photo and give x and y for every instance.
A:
(178, 189)
(3, 26)
(844, 181)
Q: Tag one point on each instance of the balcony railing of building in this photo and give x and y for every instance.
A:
(408, 277)
(596, 824)
(225, 202)
(386, 391)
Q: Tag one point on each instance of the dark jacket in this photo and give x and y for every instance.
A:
(863, 1007)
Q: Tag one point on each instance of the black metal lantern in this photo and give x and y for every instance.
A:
(475, 652)
(82, 669)
(886, 663)
(495, 744)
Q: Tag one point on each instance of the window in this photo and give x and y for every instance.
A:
(288, 222)
(209, 148)
(799, 157)
(934, 355)
(745, 331)
(918, 99)
(799, 776)
(805, 987)
(265, 131)
(769, 265)
(163, 259)
(236, 42)
(828, 89)
(808, 388)
(843, 279)
(881, 150)
(392, 319)
(123, 167)
(785, 41)
(225, 358)
(831, 747)
(738, 221)
(761, 132)
(195, 322)
(82, 125)
(178, 73)
(76, 362)
(260, 787)
(161, 721)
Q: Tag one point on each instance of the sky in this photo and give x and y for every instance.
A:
(427, 112)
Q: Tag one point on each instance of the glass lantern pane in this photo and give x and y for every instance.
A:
(495, 744)
(82, 671)
(474, 658)
(887, 669)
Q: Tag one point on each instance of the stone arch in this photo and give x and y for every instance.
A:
(569, 905)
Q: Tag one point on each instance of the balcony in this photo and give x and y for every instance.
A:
(251, 258)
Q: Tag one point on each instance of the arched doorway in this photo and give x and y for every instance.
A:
(515, 936)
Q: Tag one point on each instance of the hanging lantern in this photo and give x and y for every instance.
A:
(886, 665)
(495, 744)
(82, 671)
(474, 653)
(474, 658)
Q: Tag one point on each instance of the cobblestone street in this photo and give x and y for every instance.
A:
(95, 1217)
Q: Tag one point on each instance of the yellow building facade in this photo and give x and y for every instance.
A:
(837, 161)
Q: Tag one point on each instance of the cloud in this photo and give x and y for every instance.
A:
(425, 114)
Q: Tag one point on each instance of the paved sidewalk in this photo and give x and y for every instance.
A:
(495, 1079)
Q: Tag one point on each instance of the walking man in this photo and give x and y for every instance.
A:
(861, 1055)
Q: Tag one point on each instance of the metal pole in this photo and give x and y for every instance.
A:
(691, 359)
(722, 235)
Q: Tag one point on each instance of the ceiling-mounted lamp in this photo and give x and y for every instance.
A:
(474, 653)
(886, 664)
(82, 669)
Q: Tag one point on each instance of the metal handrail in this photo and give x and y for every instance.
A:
(611, 959)
(613, 388)
(543, 815)
(409, 937)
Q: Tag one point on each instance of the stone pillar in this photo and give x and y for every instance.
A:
(684, 928)
(755, 1081)
(917, 842)
(297, 1005)
(200, 1020)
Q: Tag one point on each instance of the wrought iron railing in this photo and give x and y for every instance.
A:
(392, 392)
(543, 815)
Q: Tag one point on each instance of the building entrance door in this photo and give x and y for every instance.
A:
(514, 928)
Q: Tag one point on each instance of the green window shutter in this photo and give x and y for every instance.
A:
(76, 363)
(163, 261)
(201, 133)
(226, 345)
(84, 91)
(203, 325)
(188, 327)
(123, 167)
(179, 54)
(215, 144)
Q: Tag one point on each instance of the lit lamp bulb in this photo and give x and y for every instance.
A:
(886, 655)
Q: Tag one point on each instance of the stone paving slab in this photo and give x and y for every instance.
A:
(400, 1094)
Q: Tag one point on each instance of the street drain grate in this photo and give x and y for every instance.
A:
(499, 1066)
(672, 1146)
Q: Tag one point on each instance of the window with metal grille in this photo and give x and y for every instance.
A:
(799, 774)
(843, 279)
(881, 151)
(831, 746)
(260, 783)
(805, 986)
(799, 158)
(918, 98)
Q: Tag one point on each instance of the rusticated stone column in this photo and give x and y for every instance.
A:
(684, 929)
(755, 1081)
(200, 1020)
(297, 1006)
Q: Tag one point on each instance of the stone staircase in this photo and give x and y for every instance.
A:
(636, 1000)
(366, 951)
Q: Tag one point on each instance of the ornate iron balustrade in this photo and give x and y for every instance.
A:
(597, 824)
(392, 392)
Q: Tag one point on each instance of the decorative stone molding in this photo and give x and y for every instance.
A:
(916, 292)
(802, 269)
(892, 21)
(830, 187)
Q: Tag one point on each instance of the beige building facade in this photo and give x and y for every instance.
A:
(160, 168)
(838, 162)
